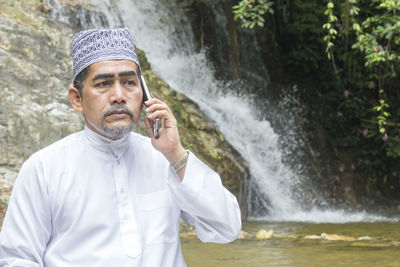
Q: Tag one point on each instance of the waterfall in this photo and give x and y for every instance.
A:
(162, 29)
(165, 35)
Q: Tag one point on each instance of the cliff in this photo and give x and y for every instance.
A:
(35, 73)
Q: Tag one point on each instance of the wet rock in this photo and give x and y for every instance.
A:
(313, 237)
(264, 234)
(244, 235)
(396, 243)
(285, 236)
(364, 238)
(191, 234)
(334, 237)
(292, 236)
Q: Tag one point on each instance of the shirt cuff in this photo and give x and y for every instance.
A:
(189, 188)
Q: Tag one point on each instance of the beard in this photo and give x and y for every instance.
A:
(117, 132)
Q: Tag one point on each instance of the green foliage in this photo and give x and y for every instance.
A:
(382, 118)
(346, 56)
(251, 13)
(378, 38)
(300, 36)
(329, 27)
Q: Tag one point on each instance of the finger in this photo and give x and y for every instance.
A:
(155, 107)
(155, 103)
(161, 114)
(152, 101)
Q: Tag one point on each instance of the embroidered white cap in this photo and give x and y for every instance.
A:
(94, 45)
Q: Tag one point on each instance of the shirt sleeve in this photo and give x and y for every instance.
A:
(27, 224)
(206, 203)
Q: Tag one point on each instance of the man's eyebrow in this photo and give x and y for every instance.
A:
(127, 73)
(103, 76)
(110, 75)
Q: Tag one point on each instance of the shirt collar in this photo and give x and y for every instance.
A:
(102, 143)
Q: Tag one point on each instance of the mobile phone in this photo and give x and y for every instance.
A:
(146, 96)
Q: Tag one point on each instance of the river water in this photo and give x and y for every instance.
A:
(290, 246)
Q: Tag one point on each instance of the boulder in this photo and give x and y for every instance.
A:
(264, 234)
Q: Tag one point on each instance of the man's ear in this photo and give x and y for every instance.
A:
(75, 99)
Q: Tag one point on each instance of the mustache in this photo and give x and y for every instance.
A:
(118, 108)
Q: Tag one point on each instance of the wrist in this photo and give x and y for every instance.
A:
(180, 164)
(176, 155)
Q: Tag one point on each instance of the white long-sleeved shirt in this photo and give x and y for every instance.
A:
(89, 201)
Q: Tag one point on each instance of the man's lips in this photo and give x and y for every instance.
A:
(118, 114)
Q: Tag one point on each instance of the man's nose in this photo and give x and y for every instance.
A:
(117, 94)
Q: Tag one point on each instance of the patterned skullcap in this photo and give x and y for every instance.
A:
(94, 45)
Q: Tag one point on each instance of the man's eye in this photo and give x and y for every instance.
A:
(130, 83)
(103, 84)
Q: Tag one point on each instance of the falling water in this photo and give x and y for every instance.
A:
(86, 15)
(163, 31)
(165, 35)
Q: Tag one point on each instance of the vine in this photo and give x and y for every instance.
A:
(331, 32)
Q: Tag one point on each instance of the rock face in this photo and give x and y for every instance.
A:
(35, 73)
(34, 77)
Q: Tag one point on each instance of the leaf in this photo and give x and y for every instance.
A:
(381, 119)
(356, 27)
(332, 18)
(326, 26)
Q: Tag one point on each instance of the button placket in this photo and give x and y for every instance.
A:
(128, 226)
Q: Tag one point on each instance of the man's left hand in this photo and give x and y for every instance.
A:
(168, 141)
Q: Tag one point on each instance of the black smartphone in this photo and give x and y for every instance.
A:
(146, 96)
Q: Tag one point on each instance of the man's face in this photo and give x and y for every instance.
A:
(112, 97)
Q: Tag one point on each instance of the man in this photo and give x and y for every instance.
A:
(106, 196)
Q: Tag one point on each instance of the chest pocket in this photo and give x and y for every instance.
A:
(160, 219)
